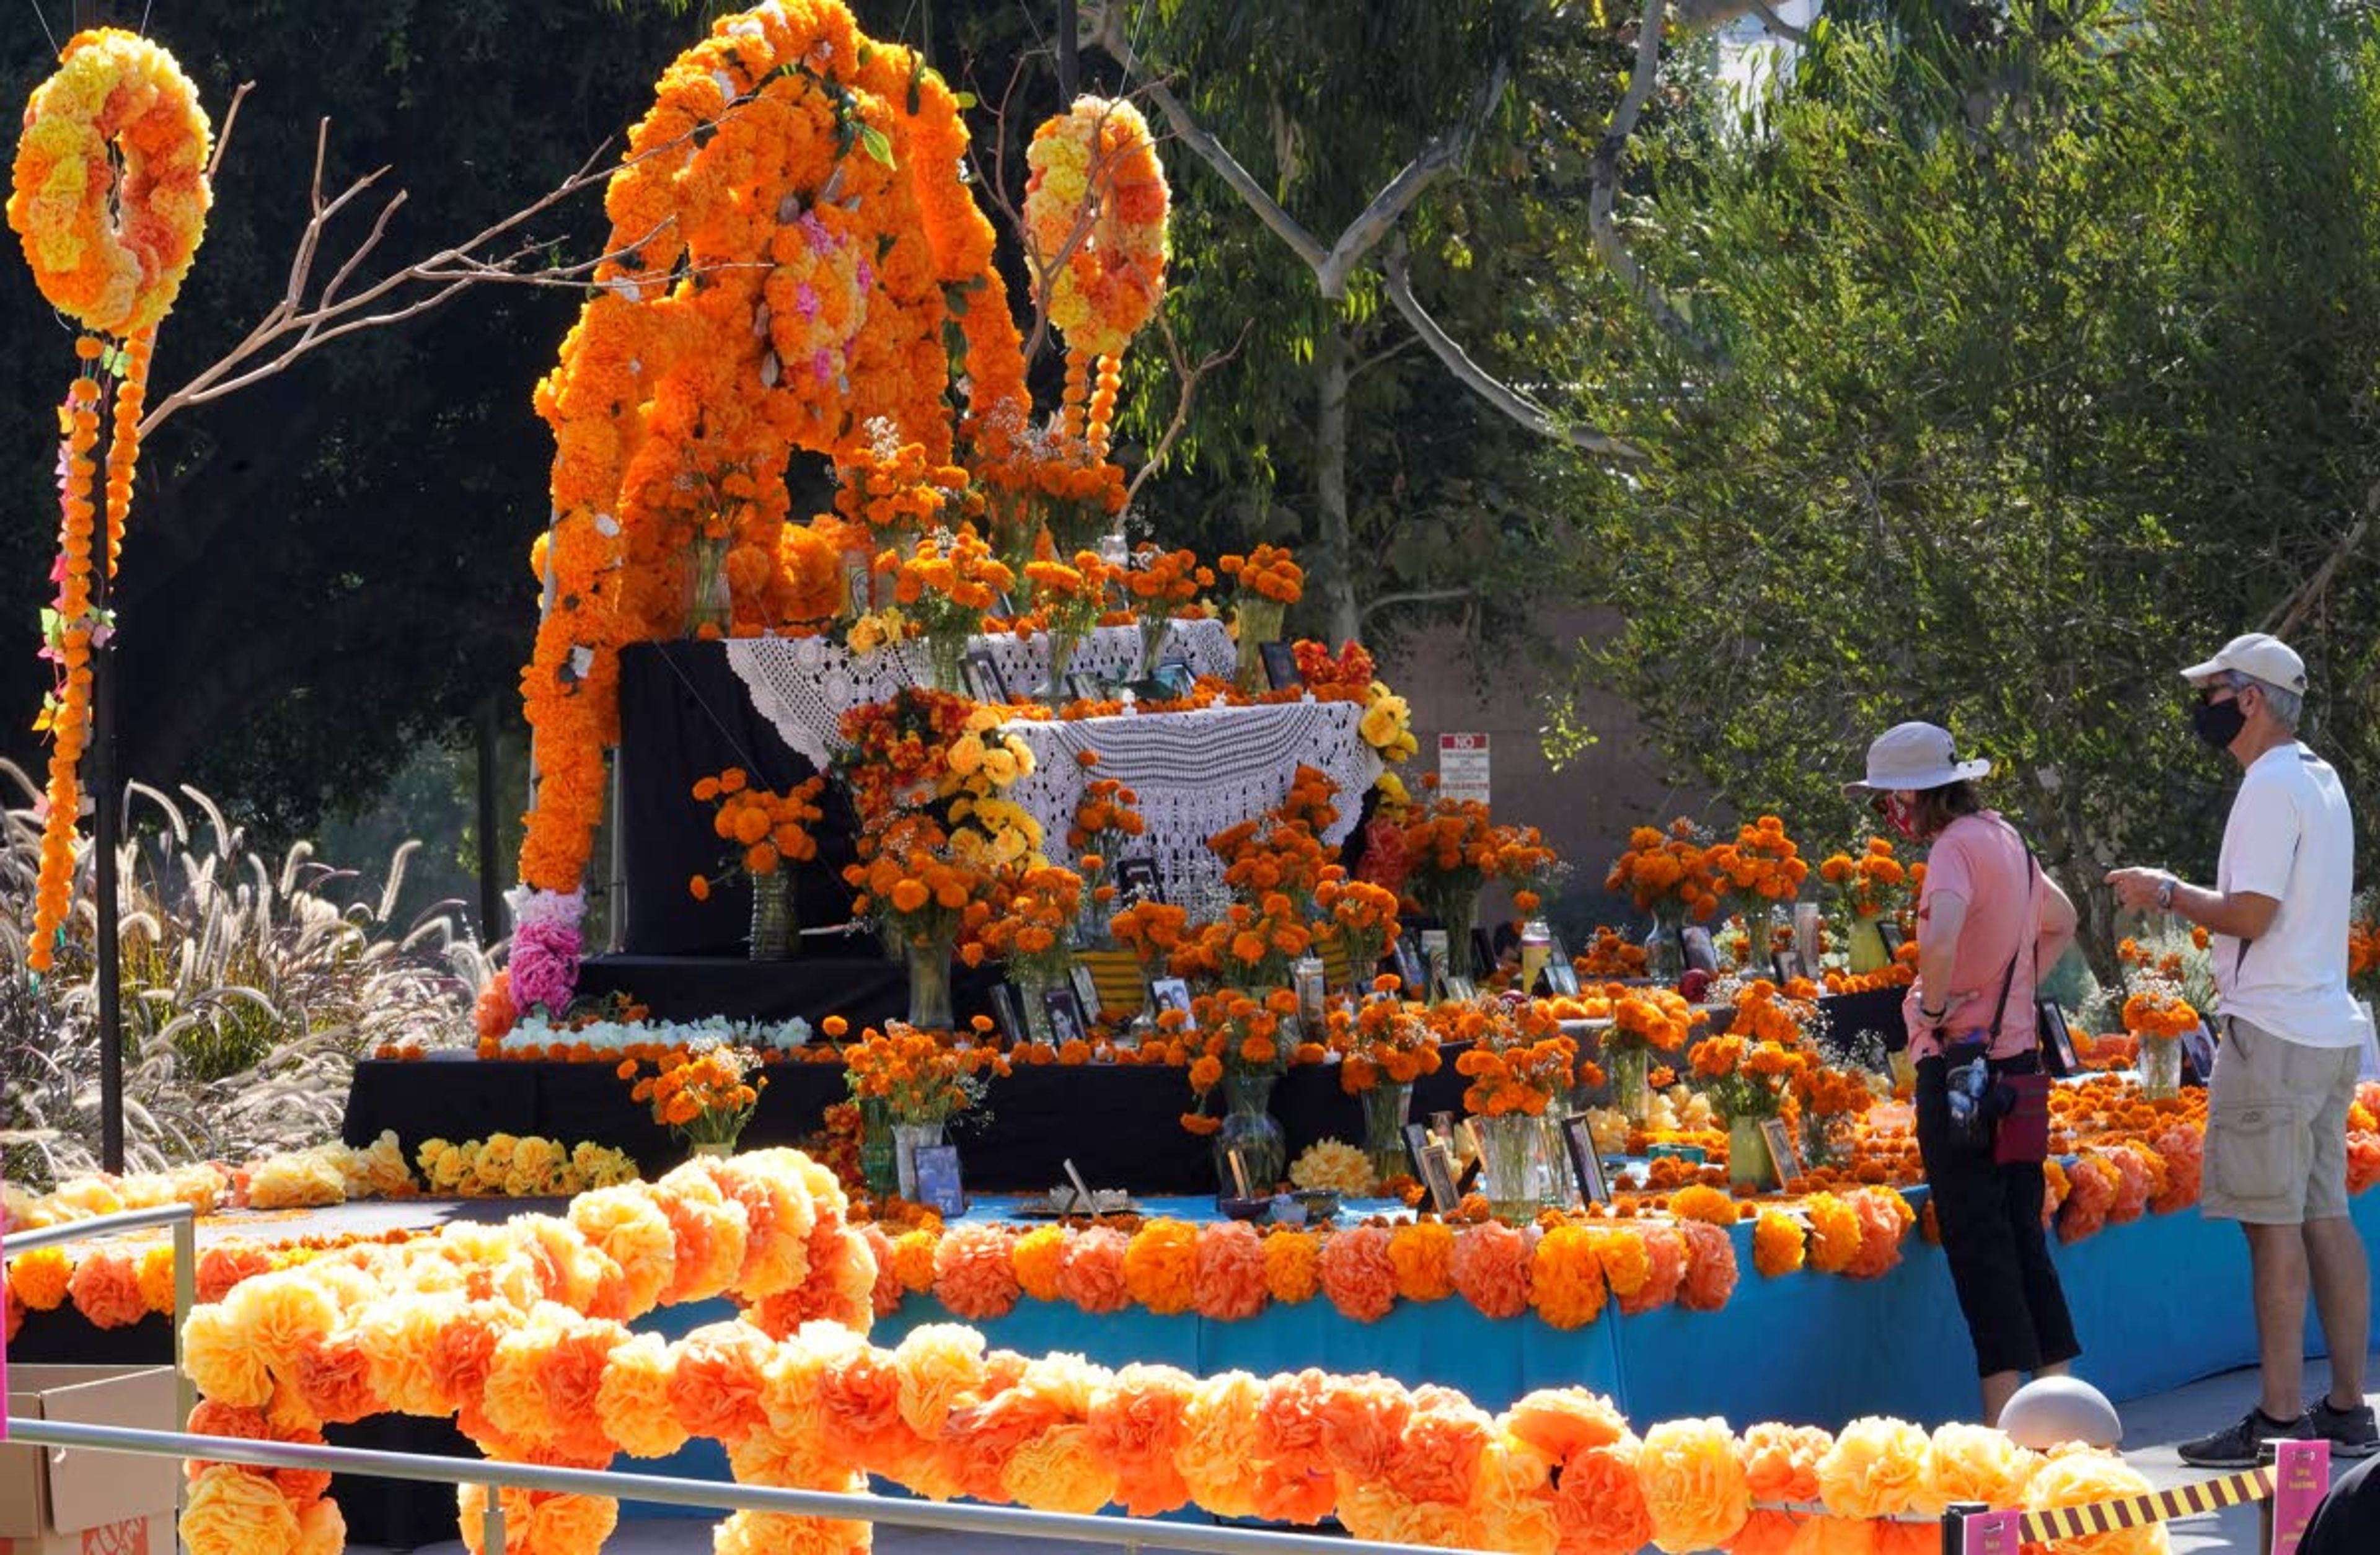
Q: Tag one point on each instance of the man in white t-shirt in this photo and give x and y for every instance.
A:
(2293, 1042)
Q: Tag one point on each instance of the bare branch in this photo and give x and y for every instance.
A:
(1386, 353)
(1778, 25)
(1416, 596)
(1606, 186)
(1479, 381)
(2293, 611)
(222, 136)
(1189, 376)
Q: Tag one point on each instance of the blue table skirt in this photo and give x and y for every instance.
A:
(2159, 1302)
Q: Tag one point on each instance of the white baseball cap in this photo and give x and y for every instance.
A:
(1915, 757)
(2259, 655)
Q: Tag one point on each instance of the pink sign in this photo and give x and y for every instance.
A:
(2301, 1478)
(1994, 1533)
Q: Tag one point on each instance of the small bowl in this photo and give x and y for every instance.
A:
(1321, 1203)
(1244, 1209)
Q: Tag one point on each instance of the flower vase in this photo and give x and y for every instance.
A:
(1062, 654)
(1250, 1130)
(1459, 915)
(929, 984)
(1866, 951)
(773, 937)
(878, 1160)
(1631, 1082)
(908, 1138)
(1665, 953)
(710, 604)
(1747, 1154)
(944, 666)
(1031, 1009)
(714, 1150)
(1510, 1146)
(2160, 1067)
(1258, 621)
(1388, 1107)
(1154, 629)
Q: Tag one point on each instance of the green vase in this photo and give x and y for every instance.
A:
(879, 1161)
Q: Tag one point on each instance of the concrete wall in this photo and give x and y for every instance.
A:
(1585, 809)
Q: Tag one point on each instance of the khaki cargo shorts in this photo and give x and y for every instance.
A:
(2276, 1129)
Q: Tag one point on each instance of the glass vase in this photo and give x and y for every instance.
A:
(1154, 625)
(1258, 621)
(1250, 1129)
(1031, 1008)
(710, 604)
(1747, 1154)
(929, 984)
(2159, 1066)
(942, 666)
(1631, 1082)
(1062, 654)
(878, 1163)
(908, 1138)
(1510, 1148)
(1388, 1107)
(1665, 953)
(773, 937)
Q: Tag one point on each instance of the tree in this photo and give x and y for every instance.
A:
(2029, 402)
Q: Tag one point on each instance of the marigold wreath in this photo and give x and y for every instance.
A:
(115, 98)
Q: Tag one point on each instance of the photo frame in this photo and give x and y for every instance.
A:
(1174, 679)
(1783, 1155)
(1437, 959)
(1067, 1022)
(859, 587)
(1787, 964)
(1410, 969)
(1087, 990)
(1431, 1166)
(1139, 880)
(1085, 686)
(1701, 955)
(1887, 934)
(984, 680)
(1484, 959)
(2058, 1056)
(1460, 988)
(1560, 973)
(940, 1185)
(2198, 1052)
(1585, 1165)
(1007, 1014)
(1172, 994)
(1280, 665)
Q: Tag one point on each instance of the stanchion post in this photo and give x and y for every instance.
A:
(491, 1524)
(186, 1296)
(1954, 1525)
(2268, 1458)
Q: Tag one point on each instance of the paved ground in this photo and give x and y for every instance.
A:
(2151, 1428)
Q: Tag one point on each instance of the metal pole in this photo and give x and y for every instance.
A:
(186, 1296)
(1069, 63)
(491, 1524)
(491, 882)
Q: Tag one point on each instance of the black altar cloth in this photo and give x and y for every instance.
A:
(1121, 1124)
(684, 716)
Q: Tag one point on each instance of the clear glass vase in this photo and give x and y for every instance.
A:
(1388, 1107)
(1747, 1154)
(1631, 1082)
(1665, 953)
(879, 1162)
(1512, 1146)
(929, 984)
(710, 604)
(1250, 1129)
(2159, 1068)
(773, 937)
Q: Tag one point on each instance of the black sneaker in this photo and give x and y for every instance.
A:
(2351, 1431)
(2236, 1448)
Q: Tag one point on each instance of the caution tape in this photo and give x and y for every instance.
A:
(2134, 1512)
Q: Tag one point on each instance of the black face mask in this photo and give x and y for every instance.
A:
(2219, 724)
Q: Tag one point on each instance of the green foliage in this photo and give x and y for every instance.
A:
(2044, 382)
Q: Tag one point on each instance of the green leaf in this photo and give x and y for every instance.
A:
(876, 143)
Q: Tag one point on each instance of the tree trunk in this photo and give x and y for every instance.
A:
(1333, 357)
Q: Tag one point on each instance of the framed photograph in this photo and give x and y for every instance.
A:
(1889, 933)
(1460, 988)
(1701, 955)
(1484, 959)
(2058, 1056)
(1174, 678)
(1137, 879)
(939, 1186)
(1782, 1154)
(1437, 960)
(1562, 973)
(1787, 964)
(1280, 665)
(1006, 1014)
(1085, 686)
(2198, 1052)
(1410, 969)
(858, 588)
(1087, 990)
(1172, 994)
(1585, 1165)
(1431, 1166)
(1067, 1022)
(984, 681)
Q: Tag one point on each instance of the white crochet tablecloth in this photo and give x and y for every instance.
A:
(804, 685)
(1197, 772)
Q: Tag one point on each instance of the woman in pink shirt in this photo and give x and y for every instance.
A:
(1987, 921)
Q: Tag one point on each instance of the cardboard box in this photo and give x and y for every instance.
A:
(77, 1501)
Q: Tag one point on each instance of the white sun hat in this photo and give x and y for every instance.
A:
(2258, 655)
(1915, 757)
